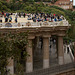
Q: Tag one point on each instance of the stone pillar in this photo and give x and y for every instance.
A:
(29, 61)
(60, 50)
(10, 66)
(45, 52)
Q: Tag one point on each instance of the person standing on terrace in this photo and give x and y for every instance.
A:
(16, 19)
(6, 19)
(10, 19)
(19, 14)
(24, 15)
(2, 13)
(0, 18)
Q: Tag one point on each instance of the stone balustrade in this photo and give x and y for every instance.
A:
(34, 24)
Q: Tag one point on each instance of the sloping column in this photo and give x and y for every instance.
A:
(10, 66)
(29, 60)
(46, 52)
(57, 46)
(74, 51)
(60, 50)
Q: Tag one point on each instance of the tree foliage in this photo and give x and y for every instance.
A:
(14, 46)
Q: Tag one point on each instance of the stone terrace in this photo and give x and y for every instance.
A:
(34, 24)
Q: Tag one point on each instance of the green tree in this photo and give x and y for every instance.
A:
(0, 5)
(12, 45)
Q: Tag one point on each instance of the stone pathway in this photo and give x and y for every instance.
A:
(53, 55)
(53, 58)
(67, 58)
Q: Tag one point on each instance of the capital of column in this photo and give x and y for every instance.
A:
(61, 35)
(30, 37)
(46, 36)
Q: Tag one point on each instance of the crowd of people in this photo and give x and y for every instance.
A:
(36, 17)
(7, 16)
(45, 17)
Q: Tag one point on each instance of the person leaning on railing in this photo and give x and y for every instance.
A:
(15, 19)
(6, 19)
(10, 19)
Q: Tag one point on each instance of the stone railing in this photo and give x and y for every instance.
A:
(34, 24)
(54, 70)
(71, 54)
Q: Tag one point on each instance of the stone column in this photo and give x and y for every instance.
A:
(60, 50)
(45, 52)
(29, 61)
(10, 66)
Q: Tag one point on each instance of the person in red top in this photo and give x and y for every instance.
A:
(54, 14)
(4, 14)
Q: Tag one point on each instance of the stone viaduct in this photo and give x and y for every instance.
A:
(44, 30)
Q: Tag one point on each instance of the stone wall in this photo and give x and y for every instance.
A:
(71, 72)
(67, 69)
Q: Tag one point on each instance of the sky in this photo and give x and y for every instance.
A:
(73, 2)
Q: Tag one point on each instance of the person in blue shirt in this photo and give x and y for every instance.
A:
(15, 19)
